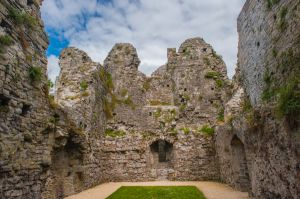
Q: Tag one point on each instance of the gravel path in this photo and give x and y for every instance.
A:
(211, 190)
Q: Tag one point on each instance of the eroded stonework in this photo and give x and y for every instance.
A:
(262, 118)
(172, 106)
(113, 123)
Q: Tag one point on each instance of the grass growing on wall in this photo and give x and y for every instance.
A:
(83, 85)
(22, 18)
(5, 41)
(207, 130)
(158, 192)
(289, 98)
(216, 76)
(35, 73)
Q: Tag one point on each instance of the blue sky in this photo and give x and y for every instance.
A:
(151, 26)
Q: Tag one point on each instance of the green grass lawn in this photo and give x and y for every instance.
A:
(159, 192)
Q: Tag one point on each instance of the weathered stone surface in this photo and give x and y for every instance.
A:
(112, 123)
(24, 109)
(265, 137)
(166, 106)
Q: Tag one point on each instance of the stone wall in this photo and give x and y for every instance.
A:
(112, 123)
(24, 108)
(172, 105)
(76, 163)
(263, 114)
(45, 151)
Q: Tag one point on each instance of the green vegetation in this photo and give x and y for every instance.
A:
(219, 83)
(207, 130)
(54, 119)
(83, 85)
(5, 41)
(268, 92)
(157, 192)
(289, 98)
(271, 3)
(282, 20)
(35, 73)
(106, 78)
(246, 106)
(212, 75)
(157, 113)
(216, 76)
(185, 130)
(174, 131)
(170, 116)
(114, 133)
(186, 97)
(22, 18)
(220, 117)
(50, 84)
(107, 108)
(182, 107)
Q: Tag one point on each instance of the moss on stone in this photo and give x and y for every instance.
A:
(114, 133)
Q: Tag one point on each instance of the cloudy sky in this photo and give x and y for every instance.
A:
(151, 26)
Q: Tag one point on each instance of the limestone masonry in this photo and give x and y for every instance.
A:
(187, 121)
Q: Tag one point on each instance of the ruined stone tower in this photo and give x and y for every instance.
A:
(172, 107)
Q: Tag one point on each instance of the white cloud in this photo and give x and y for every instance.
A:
(150, 25)
(53, 68)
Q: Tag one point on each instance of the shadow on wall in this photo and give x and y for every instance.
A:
(239, 165)
(67, 170)
(161, 151)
